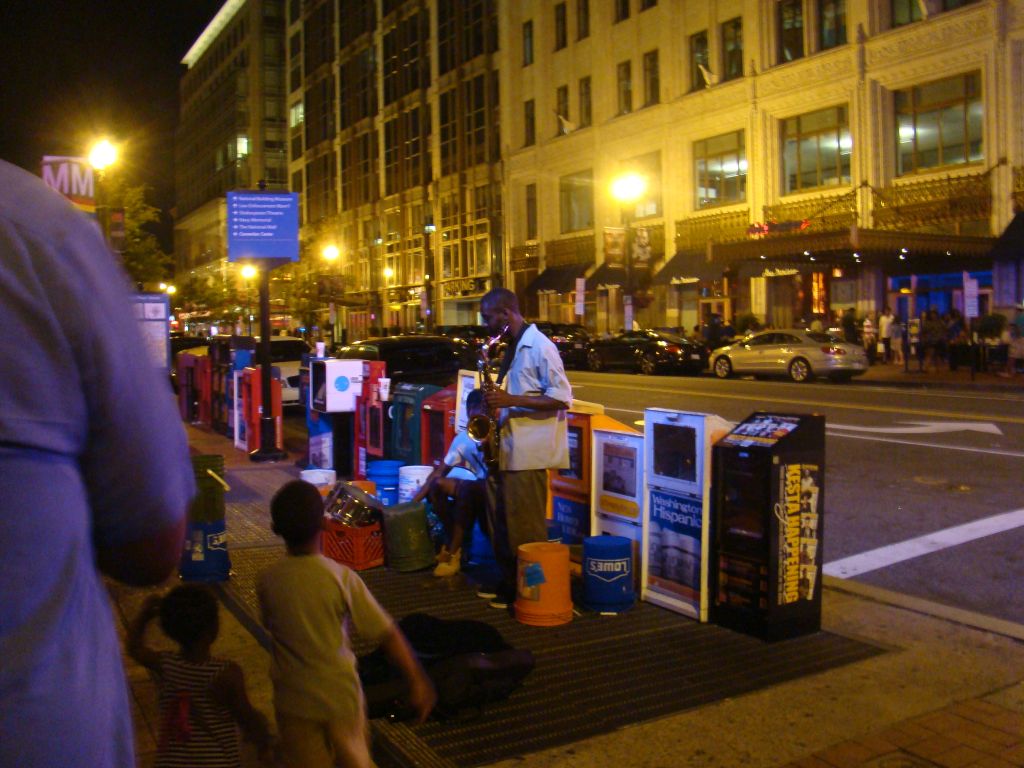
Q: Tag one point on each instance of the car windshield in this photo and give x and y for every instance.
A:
(671, 338)
(823, 338)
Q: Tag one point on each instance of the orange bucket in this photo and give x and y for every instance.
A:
(365, 485)
(543, 593)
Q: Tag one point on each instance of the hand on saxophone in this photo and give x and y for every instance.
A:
(498, 398)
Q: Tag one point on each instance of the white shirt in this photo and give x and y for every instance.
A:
(885, 326)
(535, 439)
(465, 453)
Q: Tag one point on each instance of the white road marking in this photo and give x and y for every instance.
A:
(882, 557)
(919, 444)
(925, 428)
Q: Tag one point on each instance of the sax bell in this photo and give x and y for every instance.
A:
(478, 428)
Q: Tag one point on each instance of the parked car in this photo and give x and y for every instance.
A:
(570, 338)
(797, 353)
(415, 358)
(648, 352)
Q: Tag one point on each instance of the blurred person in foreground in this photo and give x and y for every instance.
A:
(95, 479)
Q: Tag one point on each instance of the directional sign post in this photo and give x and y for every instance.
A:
(263, 227)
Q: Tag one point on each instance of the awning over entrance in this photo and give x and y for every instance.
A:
(894, 251)
(688, 266)
(1009, 246)
(560, 279)
(607, 274)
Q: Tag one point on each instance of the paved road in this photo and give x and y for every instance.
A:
(923, 492)
(902, 465)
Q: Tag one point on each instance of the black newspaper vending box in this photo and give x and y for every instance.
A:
(768, 500)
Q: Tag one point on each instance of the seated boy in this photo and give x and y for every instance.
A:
(307, 602)
(466, 488)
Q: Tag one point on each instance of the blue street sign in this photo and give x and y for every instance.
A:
(263, 225)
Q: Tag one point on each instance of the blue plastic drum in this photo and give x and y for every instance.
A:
(608, 574)
(385, 474)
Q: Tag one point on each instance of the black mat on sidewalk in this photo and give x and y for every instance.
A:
(593, 675)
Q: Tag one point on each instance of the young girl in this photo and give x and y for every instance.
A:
(202, 698)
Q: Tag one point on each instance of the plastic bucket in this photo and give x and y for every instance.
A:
(204, 556)
(406, 538)
(323, 479)
(384, 474)
(543, 594)
(608, 574)
(410, 478)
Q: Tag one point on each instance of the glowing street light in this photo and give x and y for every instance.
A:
(330, 252)
(627, 190)
(102, 155)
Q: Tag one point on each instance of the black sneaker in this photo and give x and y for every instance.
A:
(503, 599)
(487, 591)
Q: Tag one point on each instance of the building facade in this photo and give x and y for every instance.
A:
(231, 135)
(799, 157)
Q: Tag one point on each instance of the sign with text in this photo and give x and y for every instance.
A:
(263, 225)
(970, 296)
(73, 178)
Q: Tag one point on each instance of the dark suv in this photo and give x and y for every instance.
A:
(571, 340)
(415, 358)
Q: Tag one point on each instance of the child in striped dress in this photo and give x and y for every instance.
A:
(202, 698)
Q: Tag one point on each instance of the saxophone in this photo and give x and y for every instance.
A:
(483, 428)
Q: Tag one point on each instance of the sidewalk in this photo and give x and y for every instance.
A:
(911, 376)
(944, 692)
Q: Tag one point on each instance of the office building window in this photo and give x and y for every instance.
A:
(905, 12)
(582, 19)
(531, 211)
(831, 23)
(621, 10)
(791, 30)
(816, 149)
(529, 124)
(720, 165)
(652, 84)
(561, 31)
(576, 201)
(698, 59)
(939, 124)
(624, 75)
(562, 110)
(527, 43)
(584, 116)
(732, 49)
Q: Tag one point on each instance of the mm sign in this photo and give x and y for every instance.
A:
(73, 178)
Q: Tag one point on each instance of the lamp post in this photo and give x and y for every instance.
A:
(102, 155)
(330, 254)
(248, 273)
(428, 270)
(627, 190)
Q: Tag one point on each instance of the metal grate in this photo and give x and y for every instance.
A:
(596, 674)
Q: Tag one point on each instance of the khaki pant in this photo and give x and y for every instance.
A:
(517, 513)
(317, 744)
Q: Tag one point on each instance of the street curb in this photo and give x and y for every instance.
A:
(970, 619)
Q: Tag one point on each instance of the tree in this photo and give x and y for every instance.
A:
(143, 259)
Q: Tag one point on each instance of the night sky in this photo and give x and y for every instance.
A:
(74, 70)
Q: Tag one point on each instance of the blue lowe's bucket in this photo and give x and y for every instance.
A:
(608, 574)
(204, 556)
(385, 474)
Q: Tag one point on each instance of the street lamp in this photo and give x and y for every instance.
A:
(102, 155)
(248, 273)
(627, 190)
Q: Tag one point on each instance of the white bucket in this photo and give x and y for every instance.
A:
(323, 479)
(410, 478)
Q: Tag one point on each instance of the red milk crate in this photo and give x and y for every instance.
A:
(357, 547)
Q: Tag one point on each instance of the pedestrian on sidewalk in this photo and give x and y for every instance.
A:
(95, 479)
(203, 700)
(457, 500)
(530, 401)
(306, 602)
(885, 323)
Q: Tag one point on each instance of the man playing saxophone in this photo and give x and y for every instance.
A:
(529, 403)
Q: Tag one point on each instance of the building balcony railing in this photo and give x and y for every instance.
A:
(950, 204)
(693, 233)
(570, 250)
(824, 213)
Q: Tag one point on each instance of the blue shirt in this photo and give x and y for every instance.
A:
(91, 453)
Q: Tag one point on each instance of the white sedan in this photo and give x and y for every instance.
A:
(799, 354)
